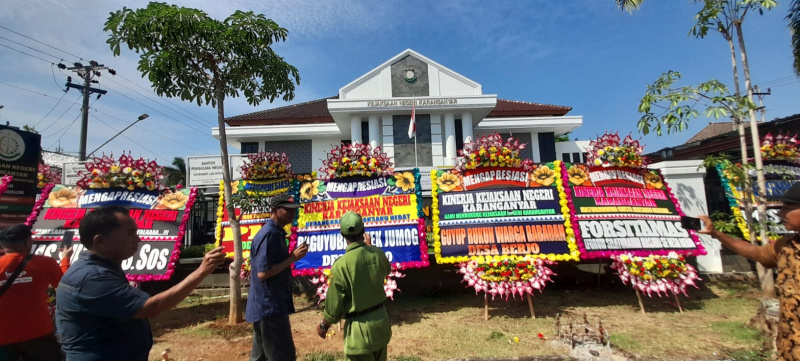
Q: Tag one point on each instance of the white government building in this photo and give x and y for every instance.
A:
(376, 108)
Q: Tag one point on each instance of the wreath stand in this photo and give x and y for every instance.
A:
(641, 304)
(486, 307)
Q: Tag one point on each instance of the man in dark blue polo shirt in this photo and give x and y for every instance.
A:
(99, 315)
(269, 301)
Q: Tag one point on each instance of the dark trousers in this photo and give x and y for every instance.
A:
(379, 355)
(272, 340)
(43, 348)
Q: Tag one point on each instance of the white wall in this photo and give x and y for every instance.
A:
(688, 186)
(572, 146)
(319, 149)
(370, 88)
(451, 86)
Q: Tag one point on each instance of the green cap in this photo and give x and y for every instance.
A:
(351, 224)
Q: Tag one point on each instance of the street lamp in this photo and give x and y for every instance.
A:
(141, 117)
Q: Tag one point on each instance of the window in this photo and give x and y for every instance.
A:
(459, 135)
(576, 158)
(547, 147)
(249, 147)
(565, 157)
(365, 133)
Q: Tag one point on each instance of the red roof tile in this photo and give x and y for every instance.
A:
(316, 111)
(311, 112)
(506, 108)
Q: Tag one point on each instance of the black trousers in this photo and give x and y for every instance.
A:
(272, 340)
(43, 348)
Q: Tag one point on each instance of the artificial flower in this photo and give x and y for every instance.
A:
(653, 180)
(173, 201)
(309, 189)
(405, 181)
(577, 175)
(447, 182)
(544, 176)
(63, 198)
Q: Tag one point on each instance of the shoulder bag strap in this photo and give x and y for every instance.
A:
(13, 277)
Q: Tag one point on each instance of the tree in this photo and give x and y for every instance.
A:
(727, 16)
(794, 28)
(177, 173)
(30, 128)
(187, 54)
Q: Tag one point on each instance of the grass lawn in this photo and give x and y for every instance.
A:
(452, 326)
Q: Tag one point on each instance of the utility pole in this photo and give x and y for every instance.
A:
(761, 96)
(86, 72)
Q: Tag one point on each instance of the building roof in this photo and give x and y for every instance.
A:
(507, 108)
(713, 130)
(316, 111)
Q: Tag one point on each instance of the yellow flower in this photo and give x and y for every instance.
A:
(63, 198)
(516, 339)
(577, 175)
(447, 182)
(544, 176)
(309, 189)
(405, 181)
(174, 201)
(654, 180)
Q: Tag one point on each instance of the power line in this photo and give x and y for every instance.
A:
(28, 90)
(151, 99)
(29, 47)
(31, 55)
(164, 100)
(204, 132)
(51, 110)
(45, 44)
(151, 133)
(62, 114)
(128, 138)
(64, 129)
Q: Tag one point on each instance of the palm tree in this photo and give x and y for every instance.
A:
(177, 173)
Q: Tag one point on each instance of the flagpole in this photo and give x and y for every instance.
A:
(416, 161)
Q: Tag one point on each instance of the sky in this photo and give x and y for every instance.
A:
(585, 54)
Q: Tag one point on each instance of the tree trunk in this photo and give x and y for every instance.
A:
(764, 275)
(235, 312)
(767, 282)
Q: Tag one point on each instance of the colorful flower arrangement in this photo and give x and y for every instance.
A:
(491, 151)
(730, 177)
(350, 160)
(609, 151)
(48, 175)
(5, 181)
(127, 172)
(780, 147)
(656, 274)
(266, 165)
(506, 276)
(324, 281)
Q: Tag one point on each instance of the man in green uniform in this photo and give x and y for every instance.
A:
(356, 294)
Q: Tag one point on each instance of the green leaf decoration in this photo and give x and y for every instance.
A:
(391, 181)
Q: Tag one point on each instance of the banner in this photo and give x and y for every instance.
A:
(625, 210)
(251, 222)
(495, 211)
(19, 158)
(779, 177)
(160, 218)
(391, 207)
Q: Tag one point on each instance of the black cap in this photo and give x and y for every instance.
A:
(792, 195)
(283, 200)
(15, 234)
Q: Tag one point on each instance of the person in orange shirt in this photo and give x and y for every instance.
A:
(27, 331)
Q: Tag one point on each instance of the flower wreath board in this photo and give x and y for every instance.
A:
(161, 218)
(781, 170)
(391, 206)
(161, 214)
(251, 222)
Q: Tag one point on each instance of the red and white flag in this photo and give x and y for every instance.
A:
(412, 125)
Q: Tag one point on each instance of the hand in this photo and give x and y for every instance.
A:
(367, 239)
(212, 260)
(708, 226)
(322, 332)
(299, 252)
(66, 252)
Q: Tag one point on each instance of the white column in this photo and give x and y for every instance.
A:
(355, 130)
(388, 136)
(466, 127)
(450, 139)
(436, 140)
(374, 131)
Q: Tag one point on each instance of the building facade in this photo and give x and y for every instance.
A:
(450, 109)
